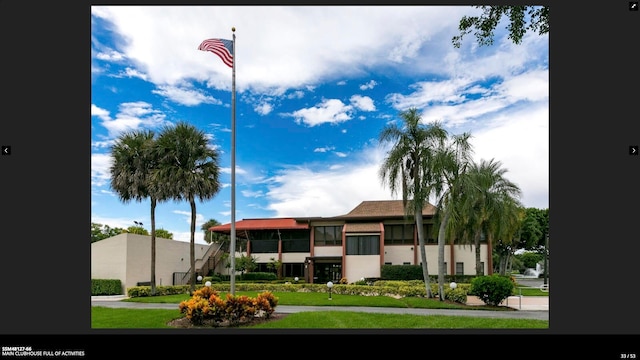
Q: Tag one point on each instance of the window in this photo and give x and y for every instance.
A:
(429, 236)
(295, 241)
(482, 268)
(293, 270)
(459, 268)
(445, 268)
(327, 235)
(264, 246)
(363, 245)
(398, 234)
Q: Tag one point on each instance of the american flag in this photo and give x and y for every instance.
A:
(221, 47)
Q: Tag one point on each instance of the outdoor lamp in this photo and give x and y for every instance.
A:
(199, 278)
(330, 285)
(453, 285)
(296, 279)
(207, 284)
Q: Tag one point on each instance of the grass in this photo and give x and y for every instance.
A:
(121, 318)
(322, 299)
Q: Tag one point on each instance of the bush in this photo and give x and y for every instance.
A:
(493, 289)
(106, 287)
(206, 305)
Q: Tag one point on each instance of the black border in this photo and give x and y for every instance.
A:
(45, 257)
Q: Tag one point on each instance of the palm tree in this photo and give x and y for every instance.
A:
(449, 168)
(187, 169)
(133, 161)
(490, 205)
(407, 168)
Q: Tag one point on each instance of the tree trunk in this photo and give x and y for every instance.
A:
(478, 258)
(441, 242)
(153, 246)
(193, 244)
(423, 255)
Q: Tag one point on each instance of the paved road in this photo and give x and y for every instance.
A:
(533, 307)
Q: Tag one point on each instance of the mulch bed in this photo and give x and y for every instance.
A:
(184, 323)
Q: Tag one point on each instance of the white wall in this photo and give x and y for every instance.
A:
(361, 266)
(128, 257)
(109, 258)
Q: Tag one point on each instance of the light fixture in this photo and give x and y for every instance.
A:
(207, 284)
(453, 285)
(330, 285)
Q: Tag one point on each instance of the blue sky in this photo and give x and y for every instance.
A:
(314, 88)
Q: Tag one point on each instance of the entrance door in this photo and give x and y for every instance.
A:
(325, 272)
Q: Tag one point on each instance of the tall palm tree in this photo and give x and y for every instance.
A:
(449, 169)
(187, 169)
(133, 161)
(407, 168)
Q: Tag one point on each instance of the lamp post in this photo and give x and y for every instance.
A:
(330, 285)
(453, 285)
(207, 284)
(199, 278)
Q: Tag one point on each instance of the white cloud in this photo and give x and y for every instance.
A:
(302, 191)
(263, 108)
(323, 149)
(185, 96)
(132, 116)
(299, 63)
(520, 141)
(329, 111)
(363, 103)
(370, 85)
(100, 174)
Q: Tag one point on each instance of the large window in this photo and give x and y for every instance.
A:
(327, 235)
(295, 241)
(459, 268)
(264, 246)
(266, 241)
(398, 234)
(363, 245)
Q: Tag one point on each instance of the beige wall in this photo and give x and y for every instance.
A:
(109, 259)
(327, 251)
(128, 257)
(361, 266)
(399, 254)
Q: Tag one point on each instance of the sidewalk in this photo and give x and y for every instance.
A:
(532, 303)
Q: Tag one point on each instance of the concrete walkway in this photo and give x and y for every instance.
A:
(529, 307)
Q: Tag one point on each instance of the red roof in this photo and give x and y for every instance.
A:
(261, 224)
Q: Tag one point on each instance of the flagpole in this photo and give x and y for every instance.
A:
(232, 250)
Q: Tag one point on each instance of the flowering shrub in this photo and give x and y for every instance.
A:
(206, 304)
(266, 303)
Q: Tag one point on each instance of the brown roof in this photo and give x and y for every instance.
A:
(384, 208)
(363, 227)
(261, 224)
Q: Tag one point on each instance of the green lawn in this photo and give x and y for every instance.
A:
(102, 317)
(119, 318)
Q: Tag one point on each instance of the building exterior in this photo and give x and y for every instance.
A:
(127, 257)
(351, 246)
